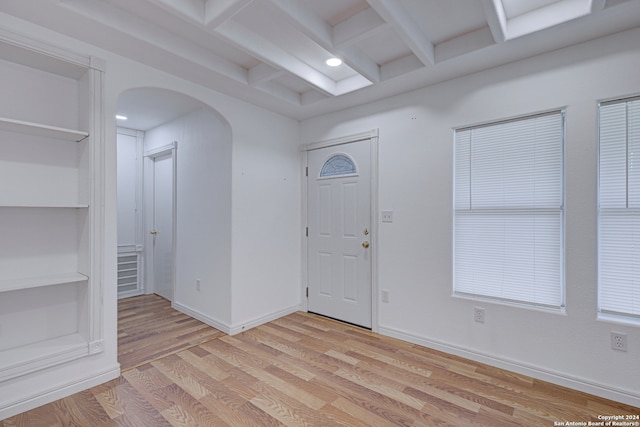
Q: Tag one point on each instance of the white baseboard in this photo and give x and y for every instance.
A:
(26, 403)
(234, 329)
(215, 323)
(624, 396)
(244, 326)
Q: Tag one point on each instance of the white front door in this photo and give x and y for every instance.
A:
(162, 226)
(339, 236)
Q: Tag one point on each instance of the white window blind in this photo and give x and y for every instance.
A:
(508, 209)
(619, 208)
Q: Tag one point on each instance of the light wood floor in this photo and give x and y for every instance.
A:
(148, 328)
(304, 370)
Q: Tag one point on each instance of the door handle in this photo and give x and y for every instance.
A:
(365, 244)
(154, 232)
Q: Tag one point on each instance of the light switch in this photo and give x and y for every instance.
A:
(387, 216)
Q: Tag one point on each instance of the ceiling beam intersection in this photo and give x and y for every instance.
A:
(263, 73)
(218, 12)
(403, 23)
(320, 32)
(273, 55)
(357, 28)
(496, 18)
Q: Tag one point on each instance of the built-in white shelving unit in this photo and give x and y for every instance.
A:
(51, 139)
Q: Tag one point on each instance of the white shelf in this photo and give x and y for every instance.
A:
(47, 224)
(28, 358)
(37, 129)
(7, 285)
(43, 205)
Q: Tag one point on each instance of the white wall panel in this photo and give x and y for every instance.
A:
(203, 214)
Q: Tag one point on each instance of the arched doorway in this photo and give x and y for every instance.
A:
(174, 200)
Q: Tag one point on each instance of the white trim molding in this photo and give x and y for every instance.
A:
(234, 329)
(58, 391)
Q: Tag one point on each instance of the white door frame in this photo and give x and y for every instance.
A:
(149, 158)
(372, 136)
(138, 248)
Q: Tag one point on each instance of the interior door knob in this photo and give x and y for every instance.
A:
(365, 244)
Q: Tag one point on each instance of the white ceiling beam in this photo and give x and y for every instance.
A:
(400, 66)
(311, 96)
(536, 20)
(275, 56)
(360, 63)
(351, 84)
(357, 28)
(218, 12)
(496, 18)
(546, 17)
(193, 10)
(156, 38)
(466, 43)
(395, 14)
(318, 30)
(597, 5)
(263, 73)
(307, 21)
(280, 91)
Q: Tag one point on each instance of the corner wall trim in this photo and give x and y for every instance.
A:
(235, 329)
(244, 326)
(214, 323)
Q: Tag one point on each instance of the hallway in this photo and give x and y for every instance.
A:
(148, 329)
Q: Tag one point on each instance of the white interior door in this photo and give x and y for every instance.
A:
(339, 220)
(162, 226)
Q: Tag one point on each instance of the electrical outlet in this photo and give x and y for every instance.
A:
(478, 314)
(619, 341)
(197, 284)
(385, 295)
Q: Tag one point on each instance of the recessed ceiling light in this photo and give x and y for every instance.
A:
(333, 62)
(119, 117)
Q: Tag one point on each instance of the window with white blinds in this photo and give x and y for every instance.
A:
(619, 208)
(508, 211)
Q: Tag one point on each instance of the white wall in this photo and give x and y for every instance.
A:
(415, 181)
(203, 217)
(237, 230)
(266, 232)
(265, 263)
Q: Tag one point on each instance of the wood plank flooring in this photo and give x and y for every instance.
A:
(305, 370)
(148, 328)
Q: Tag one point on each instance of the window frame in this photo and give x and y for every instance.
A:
(559, 211)
(627, 211)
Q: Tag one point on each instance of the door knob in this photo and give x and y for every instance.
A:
(365, 244)
(154, 232)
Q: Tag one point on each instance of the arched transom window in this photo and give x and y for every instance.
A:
(338, 165)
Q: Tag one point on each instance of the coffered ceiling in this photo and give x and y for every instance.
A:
(272, 52)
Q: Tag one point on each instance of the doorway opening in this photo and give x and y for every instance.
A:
(174, 201)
